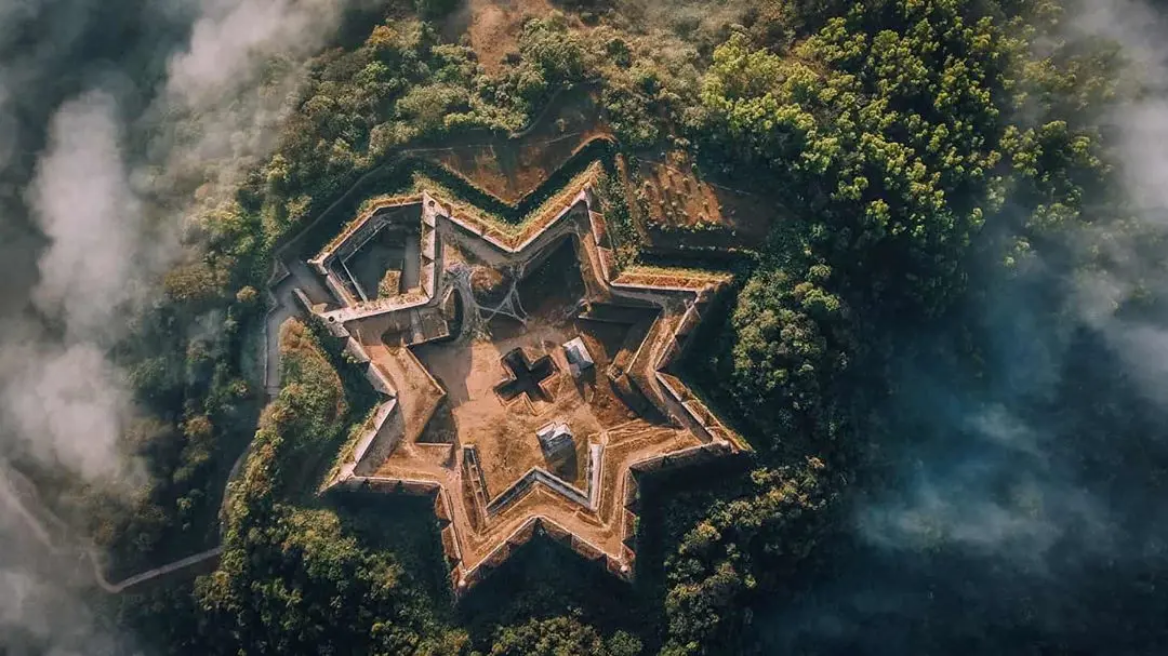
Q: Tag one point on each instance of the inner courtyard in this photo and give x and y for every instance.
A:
(525, 387)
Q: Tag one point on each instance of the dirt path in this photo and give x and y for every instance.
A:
(18, 493)
(139, 579)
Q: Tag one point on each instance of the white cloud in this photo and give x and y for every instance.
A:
(84, 206)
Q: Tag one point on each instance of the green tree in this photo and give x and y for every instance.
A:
(738, 546)
(892, 129)
(561, 636)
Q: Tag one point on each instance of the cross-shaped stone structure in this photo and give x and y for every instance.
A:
(524, 376)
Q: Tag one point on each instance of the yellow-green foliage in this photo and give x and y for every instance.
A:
(684, 273)
(561, 636)
(308, 412)
(312, 400)
(346, 451)
(569, 189)
(511, 228)
(461, 206)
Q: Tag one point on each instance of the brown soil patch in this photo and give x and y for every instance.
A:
(682, 206)
(493, 26)
(504, 431)
(511, 168)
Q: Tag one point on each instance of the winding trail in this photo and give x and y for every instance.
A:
(138, 579)
(19, 494)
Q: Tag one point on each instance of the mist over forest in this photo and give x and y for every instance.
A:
(1020, 500)
(111, 115)
(986, 381)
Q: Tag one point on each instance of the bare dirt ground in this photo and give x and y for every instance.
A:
(492, 26)
(510, 168)
(681, 205)
(504, 431)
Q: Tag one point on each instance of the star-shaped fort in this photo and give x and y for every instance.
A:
(527, 385)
